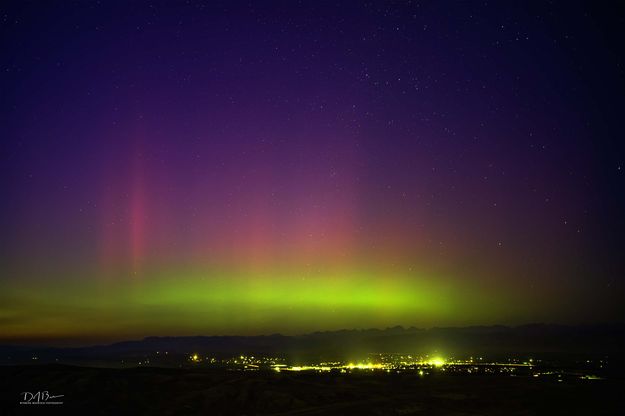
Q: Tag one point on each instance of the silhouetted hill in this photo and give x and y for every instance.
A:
(489, 341)
(197, 391)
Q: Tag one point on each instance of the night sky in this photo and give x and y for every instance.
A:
(182, 168)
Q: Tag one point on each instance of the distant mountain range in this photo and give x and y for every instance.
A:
(490, 341)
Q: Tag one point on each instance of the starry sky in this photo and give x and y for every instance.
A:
(182, 168)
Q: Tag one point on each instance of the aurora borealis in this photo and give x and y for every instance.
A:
(181, 168)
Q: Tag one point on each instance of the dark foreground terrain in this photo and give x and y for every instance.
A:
(103, 391)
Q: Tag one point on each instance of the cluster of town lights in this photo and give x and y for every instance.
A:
(434, 362)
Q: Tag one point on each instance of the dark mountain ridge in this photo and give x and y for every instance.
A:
(491, 341)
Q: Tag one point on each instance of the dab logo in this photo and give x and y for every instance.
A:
(40, 397)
